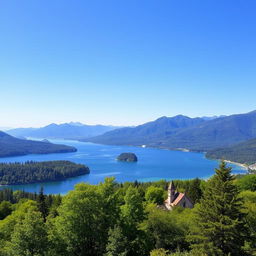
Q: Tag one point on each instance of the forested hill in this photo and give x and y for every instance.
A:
(10, 146)
(195, 134)
(244, 152)
(32, 172)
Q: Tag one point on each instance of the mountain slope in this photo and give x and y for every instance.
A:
(244, 152)
(62, 131)
(183, 132)
(147, 133)
(10, 146)
(221, 132)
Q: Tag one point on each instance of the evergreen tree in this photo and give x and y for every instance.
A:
(219, 228)
(42, 204)
(195, 191)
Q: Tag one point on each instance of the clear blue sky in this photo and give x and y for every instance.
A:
(125, 62)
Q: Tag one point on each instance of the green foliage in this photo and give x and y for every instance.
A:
(154, 195)
(117, 243)
(132, 213)
(132, 210)
(195, 190)
(110, 206)
(187, 254)
(79, 223)
(163, 230)
(162, 252)
(42, 204)
(85, 216)
(8, 224)
(244, 152)
(249, 198)
(31, 172)
(159, 252)
(219, 227)
(29, 236)
(247, 182)
(123, 219)
(5, 209)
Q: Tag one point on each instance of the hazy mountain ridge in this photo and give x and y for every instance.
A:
(11, 146)
(72, 130)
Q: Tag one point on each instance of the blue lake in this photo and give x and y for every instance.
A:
(153, 164)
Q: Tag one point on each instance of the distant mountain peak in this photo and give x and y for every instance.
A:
(51, 125)
(172, 117)
(162, 118)
(207, 118)
(75, 123)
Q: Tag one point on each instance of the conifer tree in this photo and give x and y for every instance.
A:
(195, 191)
(42, 204)
(219, 228)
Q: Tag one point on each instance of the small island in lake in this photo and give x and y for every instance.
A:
(33, 172)
(127, 157)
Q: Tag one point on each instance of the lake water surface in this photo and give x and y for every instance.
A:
(153, 164)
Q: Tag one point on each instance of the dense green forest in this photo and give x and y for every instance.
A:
(244, 152)
(11, 146)
(114, 219)
(32, 172)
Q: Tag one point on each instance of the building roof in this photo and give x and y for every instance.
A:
(178, 199)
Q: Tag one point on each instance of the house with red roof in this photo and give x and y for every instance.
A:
(176, 198)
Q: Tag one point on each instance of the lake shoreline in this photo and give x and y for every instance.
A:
(154, 164)
(244, 166)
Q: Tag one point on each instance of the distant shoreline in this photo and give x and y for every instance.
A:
(245, 166)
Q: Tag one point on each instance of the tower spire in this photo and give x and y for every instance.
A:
(172, 186)
(171, 192)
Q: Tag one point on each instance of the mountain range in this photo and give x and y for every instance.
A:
(149, 133)
(230, 137)
(182, 132)
(72, 130)
(11, 146)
